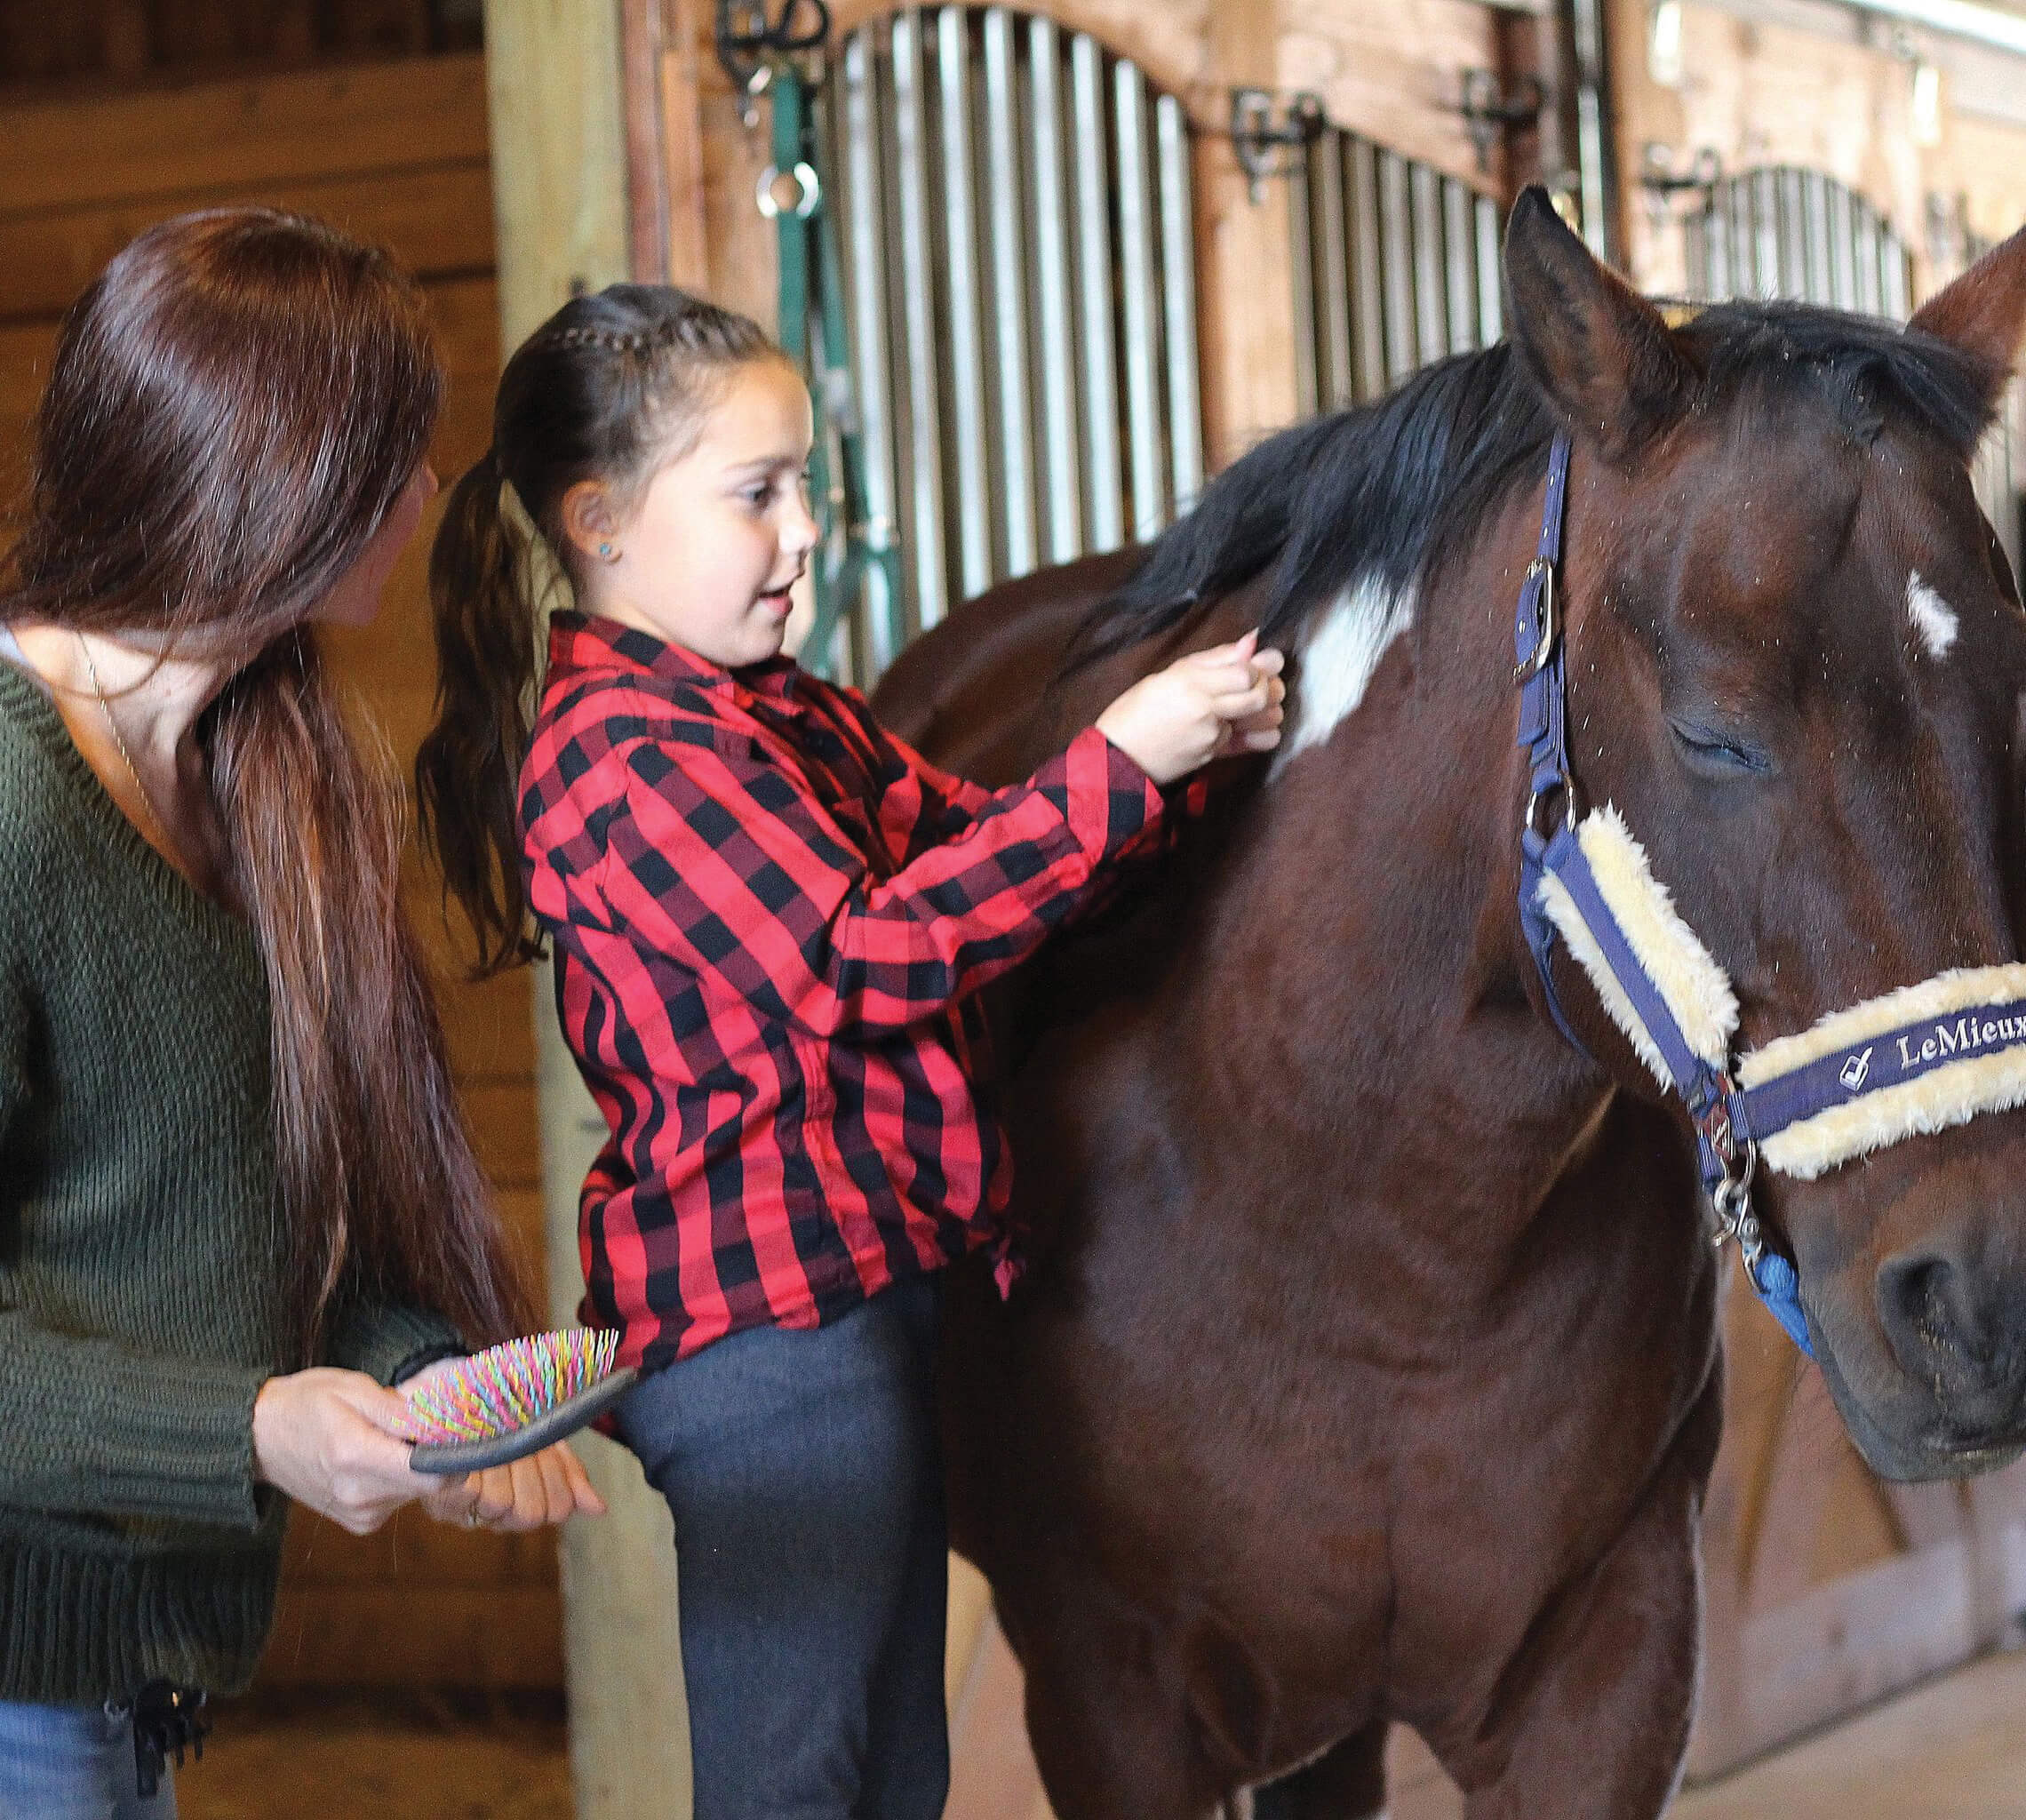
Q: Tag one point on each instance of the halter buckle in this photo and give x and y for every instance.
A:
(1547, 623)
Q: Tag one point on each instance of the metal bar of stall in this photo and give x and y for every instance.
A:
(1765, 233)
(1139, 293)
(1397, 267)
(1336, 385)
(865, 222)
(1866, 234)
(1719, 267)
(1367, 236)
(1432, 331)
(924, 418)
(1491, 304)
(1063, 469)
(1178, 291)
(1820, 284)
(1306, 275)
(1009, 292)
(1459, 263)
(1842, 250)
(960, 237)
(1105, 489)
(1792, 235)
(1744, 238)
(1894, 281)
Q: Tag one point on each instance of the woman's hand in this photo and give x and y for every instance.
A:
(550, 1487)
(1201, 706)
(334, 1441)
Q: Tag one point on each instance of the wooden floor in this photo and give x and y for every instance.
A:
(1954, 1749)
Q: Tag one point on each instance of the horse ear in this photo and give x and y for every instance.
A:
(1597, 348)
(1983, 313)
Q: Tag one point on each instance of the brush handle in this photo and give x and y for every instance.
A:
(565, 1418)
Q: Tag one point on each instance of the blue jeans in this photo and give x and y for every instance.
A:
(73, 1763)
(802, 1471)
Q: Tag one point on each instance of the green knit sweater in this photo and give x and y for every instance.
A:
(140, 1251)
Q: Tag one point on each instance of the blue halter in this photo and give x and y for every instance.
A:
(1723, 1114)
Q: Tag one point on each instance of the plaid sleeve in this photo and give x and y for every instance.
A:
(727, 863)
(919, 804)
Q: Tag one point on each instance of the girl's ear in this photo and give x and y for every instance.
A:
(589, 518)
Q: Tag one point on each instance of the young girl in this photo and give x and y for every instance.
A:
(766, 914)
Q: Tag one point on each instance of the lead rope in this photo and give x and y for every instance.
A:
(856, 550)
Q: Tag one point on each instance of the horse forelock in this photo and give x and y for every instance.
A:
(1869, 372)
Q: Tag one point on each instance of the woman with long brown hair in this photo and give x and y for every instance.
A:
(236, 1198)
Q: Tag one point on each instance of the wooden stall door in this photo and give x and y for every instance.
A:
(396, 153)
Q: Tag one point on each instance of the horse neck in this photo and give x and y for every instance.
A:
(1388, 851)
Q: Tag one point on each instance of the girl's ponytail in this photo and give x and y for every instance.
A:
(609, 388)
(483, 590)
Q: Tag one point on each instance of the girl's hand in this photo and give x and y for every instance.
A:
(332, 1439)
(550, 1487)
(1201, 706)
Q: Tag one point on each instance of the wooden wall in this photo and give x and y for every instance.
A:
(396, 152)
(91, 44)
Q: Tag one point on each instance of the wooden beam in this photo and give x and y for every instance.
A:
(270, 130)
(682, 145)
(641, 54)
(438, 218)
(1246, 327)
(561, 188)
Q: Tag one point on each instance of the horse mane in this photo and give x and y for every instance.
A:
(1390, 490)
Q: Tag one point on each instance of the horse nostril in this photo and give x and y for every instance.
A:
(1920, 1306)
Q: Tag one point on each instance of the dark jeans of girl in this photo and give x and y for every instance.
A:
(803, 1473)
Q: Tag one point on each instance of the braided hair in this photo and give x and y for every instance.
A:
(611, 387)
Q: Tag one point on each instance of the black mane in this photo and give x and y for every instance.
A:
(1391, 489)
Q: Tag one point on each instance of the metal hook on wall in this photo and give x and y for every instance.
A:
(1266, 149)
(749, 39)
(1489, 108)
(1662, 183)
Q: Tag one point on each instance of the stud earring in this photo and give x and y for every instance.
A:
(605, 550)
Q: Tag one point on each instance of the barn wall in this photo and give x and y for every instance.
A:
(396, 152)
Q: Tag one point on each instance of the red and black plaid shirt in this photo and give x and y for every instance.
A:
(766, 912)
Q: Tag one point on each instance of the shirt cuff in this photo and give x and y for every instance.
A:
(1108, 803)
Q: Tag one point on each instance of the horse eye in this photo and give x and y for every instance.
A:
(1713, 751)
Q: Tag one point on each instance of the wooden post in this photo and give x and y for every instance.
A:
(1248, 329)
(553, 71)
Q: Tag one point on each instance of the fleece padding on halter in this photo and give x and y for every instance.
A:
(1917, 1060)
(1920, 1059)
(1679, 968)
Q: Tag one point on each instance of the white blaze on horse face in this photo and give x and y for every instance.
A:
(1343, 648)
(1933, 619)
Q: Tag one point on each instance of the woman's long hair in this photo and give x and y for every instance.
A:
(610, 388)
(234, 406)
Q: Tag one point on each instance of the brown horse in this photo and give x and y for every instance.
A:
(1366, 1367)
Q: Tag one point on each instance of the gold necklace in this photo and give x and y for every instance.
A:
(113, 726)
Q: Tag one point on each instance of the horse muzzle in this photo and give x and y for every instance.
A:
(1924, 1349)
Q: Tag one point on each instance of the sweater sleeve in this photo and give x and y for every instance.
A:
(388, 1342)
(94, 1427)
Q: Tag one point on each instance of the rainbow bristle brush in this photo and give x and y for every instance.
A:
(512, 1399)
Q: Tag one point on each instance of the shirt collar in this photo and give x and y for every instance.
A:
(591, 641)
